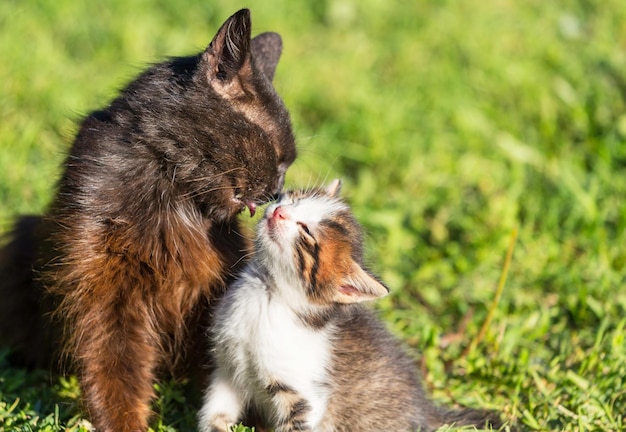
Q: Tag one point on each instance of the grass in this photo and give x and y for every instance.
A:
(453, 124)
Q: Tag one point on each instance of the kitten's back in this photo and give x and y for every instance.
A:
(367, 364)
(377, 386)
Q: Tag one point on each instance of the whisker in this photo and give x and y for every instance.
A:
(200, 192)
(212, 176)
(243, 236)
(267, 197)
(243, 257)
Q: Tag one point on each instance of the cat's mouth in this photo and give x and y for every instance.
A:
(250, 205)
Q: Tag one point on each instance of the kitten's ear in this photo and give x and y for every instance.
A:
(359, 286)
(229, 50)
(334, 188)
(266, 49)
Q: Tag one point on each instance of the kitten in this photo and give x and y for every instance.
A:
(143, 232)
(292, 341)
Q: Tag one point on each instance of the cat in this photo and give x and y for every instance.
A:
(292, 340)
(143, 233)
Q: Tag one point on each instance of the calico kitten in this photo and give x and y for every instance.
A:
(143, 232)
(292, 341)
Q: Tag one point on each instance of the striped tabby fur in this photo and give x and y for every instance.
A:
(293, 343)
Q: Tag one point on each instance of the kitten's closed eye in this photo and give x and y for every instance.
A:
(304, 227)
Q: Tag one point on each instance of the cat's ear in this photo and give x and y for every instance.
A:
(359, 285)
(334, 188)
(266, 49)
(229, 51)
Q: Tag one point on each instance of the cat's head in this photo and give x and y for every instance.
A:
(312, 238)
(240, 70)
(220, 135)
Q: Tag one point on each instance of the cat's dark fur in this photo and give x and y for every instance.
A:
(293, 342)
(143, 232)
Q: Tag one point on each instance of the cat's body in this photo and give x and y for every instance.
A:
(143, 232)
(292, 341)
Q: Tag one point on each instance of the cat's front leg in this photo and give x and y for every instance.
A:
(117, 355)
(222, 406)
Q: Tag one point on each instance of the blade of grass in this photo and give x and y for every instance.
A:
(496, 300)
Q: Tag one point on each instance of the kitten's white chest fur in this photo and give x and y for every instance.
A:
(262, 343)
(273, 336)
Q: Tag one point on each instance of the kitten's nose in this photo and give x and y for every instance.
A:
(279, 213)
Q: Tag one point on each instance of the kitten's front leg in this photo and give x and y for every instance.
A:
(294, 411)
(222, 406)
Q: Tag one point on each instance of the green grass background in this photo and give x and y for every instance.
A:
(452, 123)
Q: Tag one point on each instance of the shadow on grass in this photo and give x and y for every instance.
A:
(36, 399)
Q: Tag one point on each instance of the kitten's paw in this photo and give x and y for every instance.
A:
(219, 423)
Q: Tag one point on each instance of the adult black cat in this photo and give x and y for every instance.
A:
(143, 234)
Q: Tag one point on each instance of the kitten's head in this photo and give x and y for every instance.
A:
(218, 133)
(312, 238)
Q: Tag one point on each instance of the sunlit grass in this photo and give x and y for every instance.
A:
(451, 123)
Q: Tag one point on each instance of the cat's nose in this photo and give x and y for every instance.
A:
(280, 213)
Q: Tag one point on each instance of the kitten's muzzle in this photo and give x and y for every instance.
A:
(274, 215)
(279, 213)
